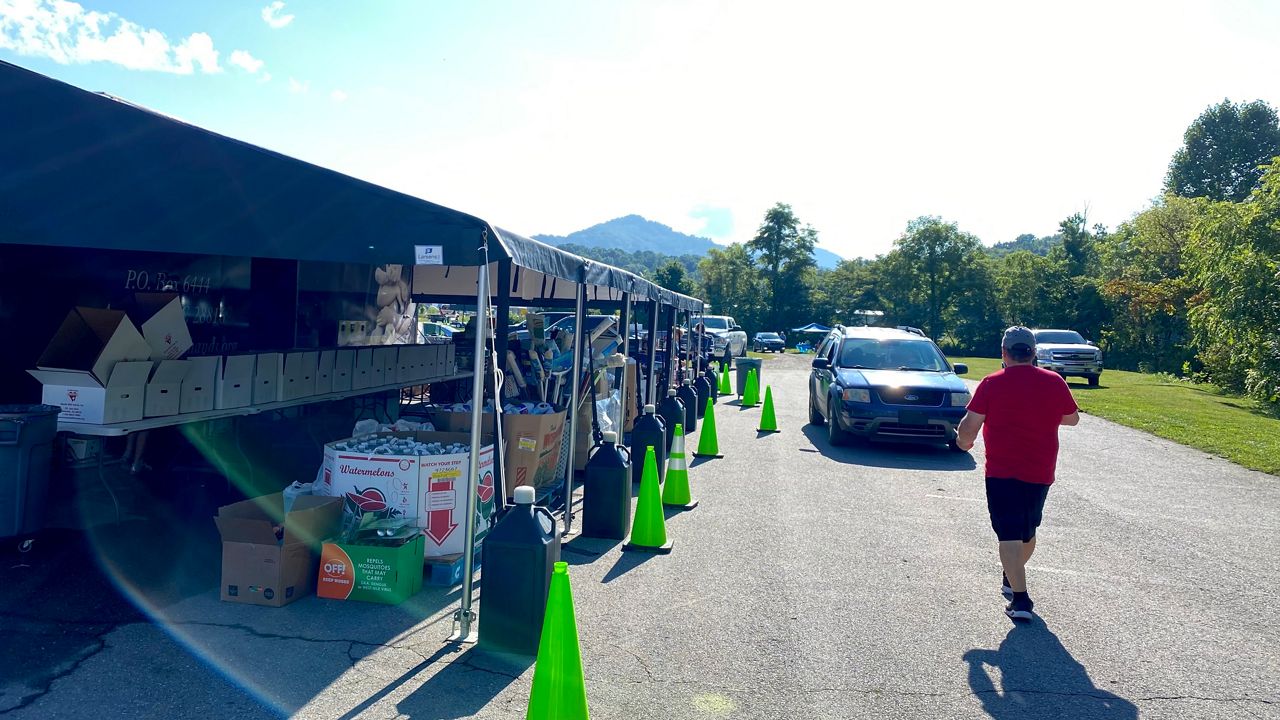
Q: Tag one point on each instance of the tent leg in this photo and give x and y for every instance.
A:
(626, 354)
(575, 398)
(652, 392)
(464, 618)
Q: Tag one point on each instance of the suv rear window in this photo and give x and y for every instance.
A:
(878, 354)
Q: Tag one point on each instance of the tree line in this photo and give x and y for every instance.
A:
(1189, 285)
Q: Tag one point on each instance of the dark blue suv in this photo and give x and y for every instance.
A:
(885, 384)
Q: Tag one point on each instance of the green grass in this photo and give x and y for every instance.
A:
(1193, 414)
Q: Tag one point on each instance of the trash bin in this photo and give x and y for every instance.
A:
(743, 365)
(26, 450)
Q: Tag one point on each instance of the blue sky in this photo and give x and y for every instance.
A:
(549, 117)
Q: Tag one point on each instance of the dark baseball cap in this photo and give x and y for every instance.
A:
(1018, 335)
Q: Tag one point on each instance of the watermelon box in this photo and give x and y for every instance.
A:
(428, 488)
(371, 573)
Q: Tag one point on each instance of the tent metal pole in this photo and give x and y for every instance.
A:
(465, 617)
(651, 394)
(626, 354)
(575, 395)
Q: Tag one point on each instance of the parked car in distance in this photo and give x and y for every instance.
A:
(1067, 353)
(885, 384)
(768, 342)
(728, 339)
(434, 333)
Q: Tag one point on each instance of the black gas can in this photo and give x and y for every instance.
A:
(672, 412)
(650, 430)
(517, 558)
(703, 389)
(606, 491)
(689, 397)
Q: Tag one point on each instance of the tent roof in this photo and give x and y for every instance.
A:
(83, 169)
(811, 328)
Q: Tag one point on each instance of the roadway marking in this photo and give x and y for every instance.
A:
(955, 497)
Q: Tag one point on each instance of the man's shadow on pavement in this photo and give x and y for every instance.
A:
(1039, 678)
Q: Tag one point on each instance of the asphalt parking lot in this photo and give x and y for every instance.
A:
(811, 582)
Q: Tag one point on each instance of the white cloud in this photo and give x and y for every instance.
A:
(265, 78)
(298, 88)
(68, 34)
(272, 15)
(245, 61)
(338, 96)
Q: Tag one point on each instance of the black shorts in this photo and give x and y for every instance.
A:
(1016, 507)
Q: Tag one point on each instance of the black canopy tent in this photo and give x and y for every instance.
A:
(87, 170)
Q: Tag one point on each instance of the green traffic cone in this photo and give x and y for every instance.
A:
(768, 421)
(725, 388)
(676, 491)
(708, 445)
(649, 528)
(559, 685)
(751, 394)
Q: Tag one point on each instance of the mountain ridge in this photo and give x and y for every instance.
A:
(634, 233)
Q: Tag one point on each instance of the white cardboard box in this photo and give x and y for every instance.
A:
(77, 367)
(406, 370)
(420, 362)
(324, 372)
(384, 366)
(164, 324)
(234, 387)
(200, 384)
(433, 359)
(430, 488)
(450, 361)
(368, 370)
(342, 365)
(268, 378)
(300, 374)
(164, 389)
(83, 399)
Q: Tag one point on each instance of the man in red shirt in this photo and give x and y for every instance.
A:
(1019, 410)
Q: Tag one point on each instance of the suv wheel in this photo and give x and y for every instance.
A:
(728, 357)
(815, 418)
(836, 435)
(1094, 380)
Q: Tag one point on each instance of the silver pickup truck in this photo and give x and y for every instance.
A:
(1067, 353)
(728, 339)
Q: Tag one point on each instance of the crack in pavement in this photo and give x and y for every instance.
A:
(99, 645)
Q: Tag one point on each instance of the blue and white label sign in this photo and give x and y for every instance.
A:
(429, 254)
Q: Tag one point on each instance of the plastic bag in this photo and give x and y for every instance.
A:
(294, 491)
(364, 427)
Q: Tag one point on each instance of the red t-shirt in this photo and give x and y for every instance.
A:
(1024, 406)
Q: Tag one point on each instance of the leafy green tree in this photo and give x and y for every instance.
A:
(785, 251)
(852, 285)
(1223, 151)
(1234, 257)
(1144, 281)
(931, 265)
(732, 285)
(673, 276)
(1020, 280)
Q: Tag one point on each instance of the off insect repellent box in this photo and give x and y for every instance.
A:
(261, 568)
(430, 488)
(371, 573)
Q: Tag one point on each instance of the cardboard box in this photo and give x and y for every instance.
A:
(258, 568)
(447, 571)
(386, 358)
(362, 369)
(164, 389)
(450, 361)
(234, 385)
(200, 384)
(268, 378)
(343, 361)
(163, 323)
(367, 573)
(432, 357)
(324, 372)
(430, 488)
(407, 361)
(300, 374)
(422, 369)
(532, 448)
(83, 399)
